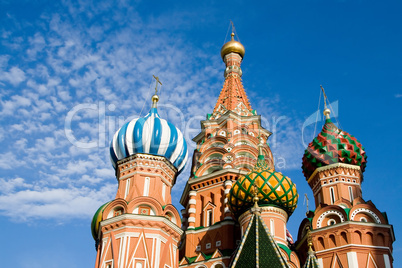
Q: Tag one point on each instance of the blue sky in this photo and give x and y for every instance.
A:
(72, 71)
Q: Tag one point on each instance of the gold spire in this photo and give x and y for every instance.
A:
(260, 146)
(232, 46)
(309, 241)
(155, 97)
(256, 209)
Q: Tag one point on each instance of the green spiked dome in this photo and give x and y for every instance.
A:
(97, 218)
(332, 146)
(274, 189)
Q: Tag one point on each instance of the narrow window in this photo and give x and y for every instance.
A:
(146, 186)
(163, 191)
(209, 217)
(272, 226)
(351, 193)
(127, 188)
(331, 191)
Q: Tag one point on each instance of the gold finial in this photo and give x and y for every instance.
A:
(255, 209)
(155, 97)
(309, 240)
(232, 45)
(260, 146)
(327, 111)
(255, 193)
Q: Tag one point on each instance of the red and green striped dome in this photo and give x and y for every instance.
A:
(331, 146)
(273, 189)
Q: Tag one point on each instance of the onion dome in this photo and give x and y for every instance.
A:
(150, 135)
(97, 218)
(331, 146)
(273, 189)
(232, 46)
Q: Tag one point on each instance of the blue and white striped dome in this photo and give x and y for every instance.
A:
(150, 135)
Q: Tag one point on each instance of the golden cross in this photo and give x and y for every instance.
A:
(157, 81)
(325, 97)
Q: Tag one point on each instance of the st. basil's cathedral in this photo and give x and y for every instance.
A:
(236, 206)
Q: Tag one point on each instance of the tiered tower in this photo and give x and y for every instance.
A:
(346, 230)
(140, 227)
(226, 149)
(233, 143)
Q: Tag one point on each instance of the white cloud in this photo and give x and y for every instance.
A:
(58, 204)
(14, 76)
(8, 186)
(10, 160)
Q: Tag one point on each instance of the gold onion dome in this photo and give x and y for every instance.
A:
(273, 189)
(232, 46)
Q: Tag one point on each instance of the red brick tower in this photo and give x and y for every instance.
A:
(141, 228)
(346, 230)
(226, 149)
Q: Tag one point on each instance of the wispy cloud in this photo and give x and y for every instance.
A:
(61, 65)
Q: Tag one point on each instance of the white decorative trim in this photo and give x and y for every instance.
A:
(213, 227)
(145, 218)
(353, 245)
(128, 234)
(227, 183)
(386, 260)
(331, 167)
(329, 212)
(352, 259)
(192, 202)
(158, 236)
(192, 193)
(191, 219)
(372, 214)
(192, 210)
(227, 191)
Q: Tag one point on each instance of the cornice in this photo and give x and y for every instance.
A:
(332, 166)
(145, 218)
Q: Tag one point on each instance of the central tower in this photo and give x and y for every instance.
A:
(227, 147)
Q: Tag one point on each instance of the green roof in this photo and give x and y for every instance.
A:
(311, 261)
(258, 248)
